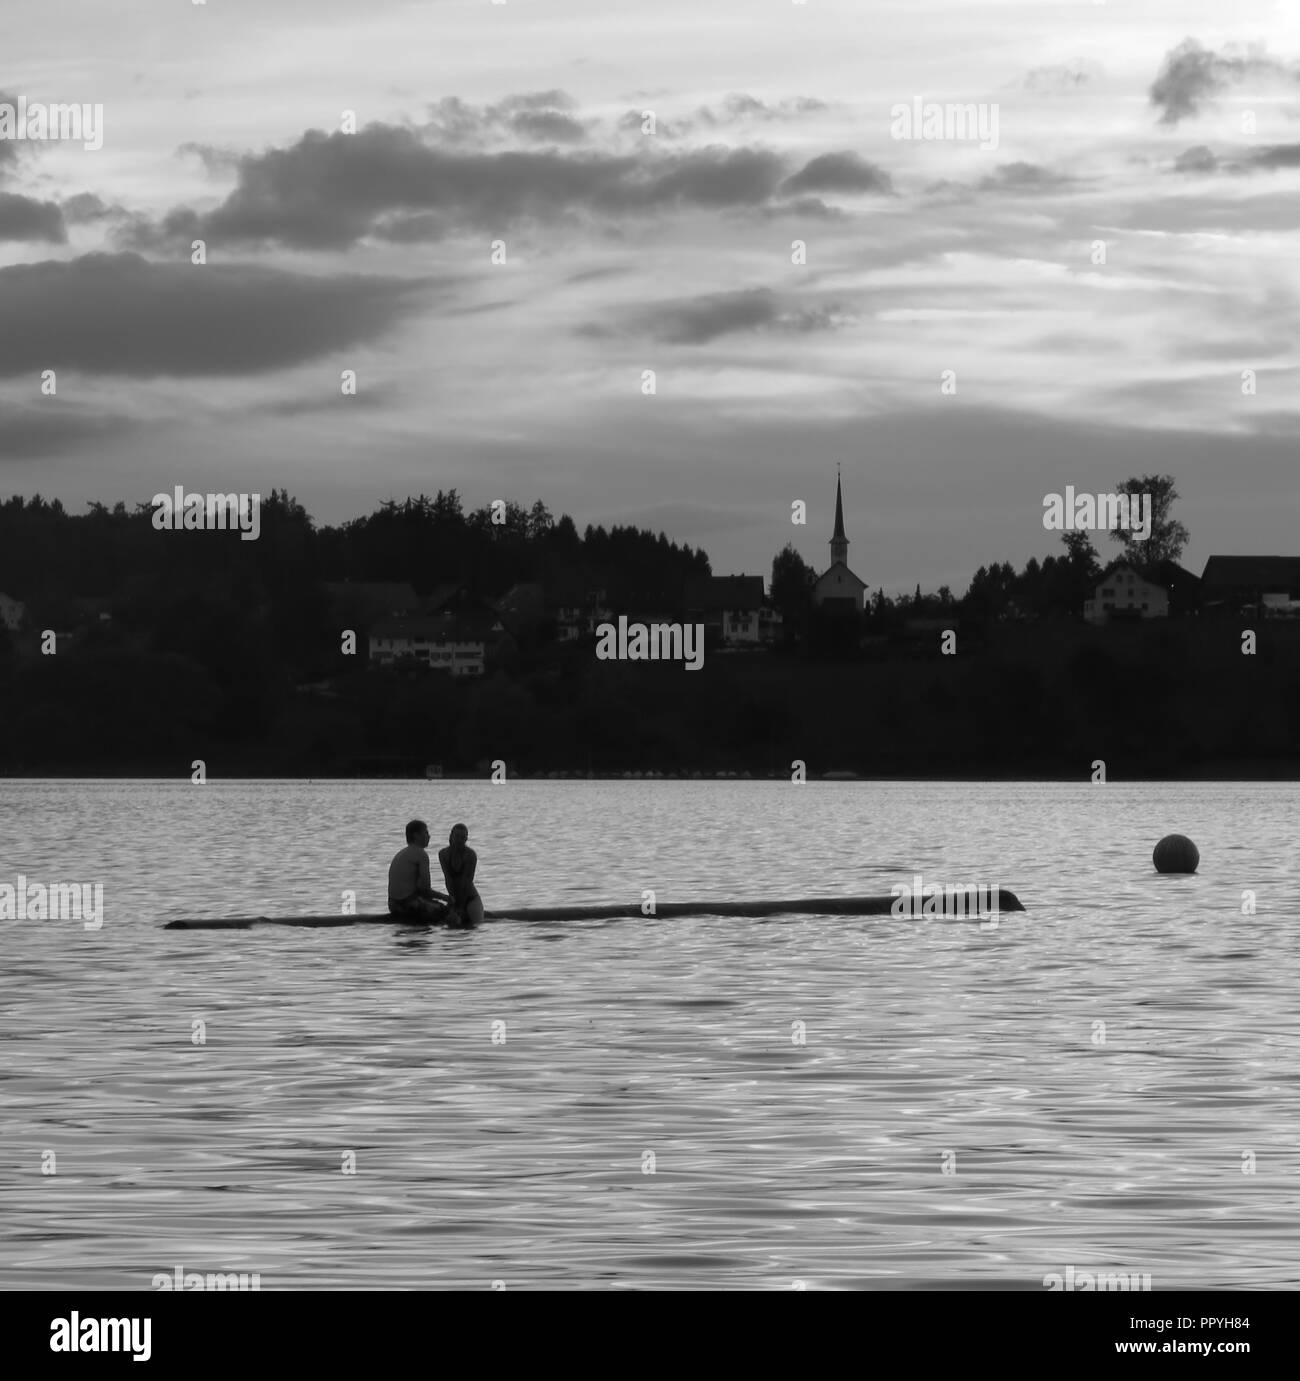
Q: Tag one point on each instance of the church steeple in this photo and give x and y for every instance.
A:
(839, 542)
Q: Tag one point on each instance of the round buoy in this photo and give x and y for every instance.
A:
(1176, 854)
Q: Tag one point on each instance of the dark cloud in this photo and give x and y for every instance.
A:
(422, 228)
(837, 172)
(1192, 74)
(118, 314)
(708, 177)
(53, 428)
(1276, 156)
(539, 115)
(548, 125)
(453, 121)
(1023, 177)
(717, 314)
(328, 191)
(1200, 159)
(22, 218)
(86, 207)
(696, 321)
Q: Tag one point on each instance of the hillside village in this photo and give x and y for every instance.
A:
(450, 630)
(463, 631)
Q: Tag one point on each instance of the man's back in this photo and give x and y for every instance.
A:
(408, 874)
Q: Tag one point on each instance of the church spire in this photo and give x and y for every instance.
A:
(839, 542)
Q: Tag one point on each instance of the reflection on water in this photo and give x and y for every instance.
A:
(635, 1102)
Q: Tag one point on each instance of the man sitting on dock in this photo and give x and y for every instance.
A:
(410, 889)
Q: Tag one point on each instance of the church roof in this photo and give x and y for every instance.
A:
(839, 566)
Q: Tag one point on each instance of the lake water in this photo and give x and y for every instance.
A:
(955, 1116)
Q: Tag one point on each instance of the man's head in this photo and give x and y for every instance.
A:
(458, 837)
(417, 832)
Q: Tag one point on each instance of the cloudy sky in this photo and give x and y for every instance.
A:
(1168, 130)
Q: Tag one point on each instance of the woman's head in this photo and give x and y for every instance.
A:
(458, 837)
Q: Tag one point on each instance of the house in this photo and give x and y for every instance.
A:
(1124, 594)
(731, 607)
(769, 625)
(1232, 584)
(453, 643)
(838, 588)
(577, 609)
(11, 612)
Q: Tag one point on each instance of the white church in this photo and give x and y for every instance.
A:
(838, 587)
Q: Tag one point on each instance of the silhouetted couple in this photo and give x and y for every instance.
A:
(410, 888)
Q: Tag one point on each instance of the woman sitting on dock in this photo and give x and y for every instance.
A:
(458, 862)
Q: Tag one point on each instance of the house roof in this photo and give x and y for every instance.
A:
(1170, 573)
(525, 596)
(1125, 565)
(1272, 573)
(436, 628)
(715, 593)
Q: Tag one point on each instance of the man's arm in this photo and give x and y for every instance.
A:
(423, 881)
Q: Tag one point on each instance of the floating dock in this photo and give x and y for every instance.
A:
(952, 904)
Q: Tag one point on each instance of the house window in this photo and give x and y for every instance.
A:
(1108, 594)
